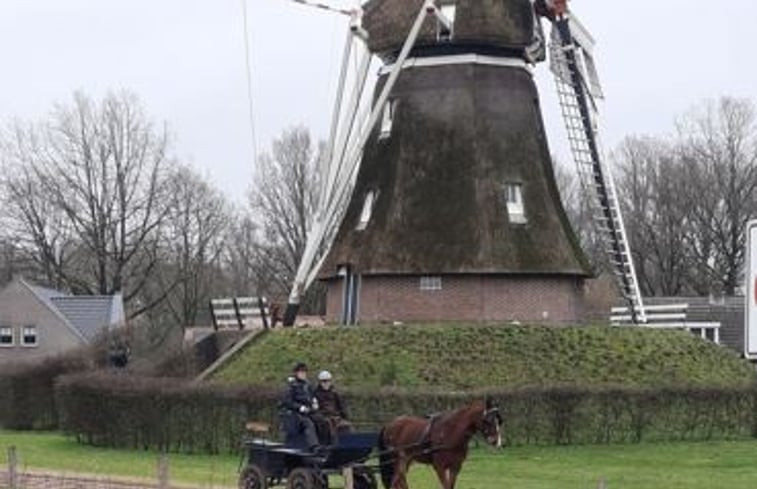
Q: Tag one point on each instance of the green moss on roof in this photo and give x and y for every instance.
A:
(497, 23)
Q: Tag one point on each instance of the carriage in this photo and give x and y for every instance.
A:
(269, 463)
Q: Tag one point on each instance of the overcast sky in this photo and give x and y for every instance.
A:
(186, 61)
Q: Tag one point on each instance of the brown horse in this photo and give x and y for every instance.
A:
(441, 441)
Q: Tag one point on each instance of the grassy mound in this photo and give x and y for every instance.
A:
(470, 357)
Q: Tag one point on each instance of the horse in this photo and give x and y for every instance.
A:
(441, 441)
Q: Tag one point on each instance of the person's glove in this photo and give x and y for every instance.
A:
(315, 404)
(304, 409)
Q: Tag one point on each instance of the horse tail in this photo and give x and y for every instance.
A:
(387, 459)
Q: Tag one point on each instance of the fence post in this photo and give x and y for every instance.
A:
(163, 472)
(12, 468)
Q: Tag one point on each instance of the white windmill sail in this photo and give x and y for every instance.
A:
(578, 90)
(349, 134)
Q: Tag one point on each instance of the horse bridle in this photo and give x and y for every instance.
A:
(498, 421)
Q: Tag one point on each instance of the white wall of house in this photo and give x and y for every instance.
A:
(20, 308)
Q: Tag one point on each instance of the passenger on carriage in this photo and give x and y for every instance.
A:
(331, 405)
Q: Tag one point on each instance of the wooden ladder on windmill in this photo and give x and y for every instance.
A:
(578, 89)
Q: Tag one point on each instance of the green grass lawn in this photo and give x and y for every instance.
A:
(728, 465)
(463, 357)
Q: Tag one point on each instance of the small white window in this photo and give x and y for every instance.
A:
(445, 33)
(29, 336)
(431, 283)
(6, 336)
(514, 201)
(365, 214)
(387, 119)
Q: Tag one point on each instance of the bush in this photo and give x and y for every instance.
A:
(28, 400)
(165, 414)
(123, 411)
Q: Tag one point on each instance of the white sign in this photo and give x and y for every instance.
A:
(750, 290)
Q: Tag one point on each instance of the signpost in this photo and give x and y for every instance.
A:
(750, 291)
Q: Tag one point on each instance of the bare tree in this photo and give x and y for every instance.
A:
(194, 239)
(244, 273)
(718, 150)
(87, 193)
(283, 200)
(651, 184)
(578, 202)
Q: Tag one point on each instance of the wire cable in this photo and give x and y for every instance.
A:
(248, 67)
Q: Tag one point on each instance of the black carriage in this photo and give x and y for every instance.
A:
(270, 463)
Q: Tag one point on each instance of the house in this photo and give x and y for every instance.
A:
(36, 322)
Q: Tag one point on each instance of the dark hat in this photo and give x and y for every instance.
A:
(299, 366)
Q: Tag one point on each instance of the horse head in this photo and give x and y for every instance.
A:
(490, 423)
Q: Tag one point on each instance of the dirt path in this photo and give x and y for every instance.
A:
(40, 479)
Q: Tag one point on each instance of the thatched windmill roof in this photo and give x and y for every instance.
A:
(505, 24)
(460, 134)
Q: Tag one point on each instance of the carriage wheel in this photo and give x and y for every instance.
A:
(252, 477)
(364, 478)
(302, 478)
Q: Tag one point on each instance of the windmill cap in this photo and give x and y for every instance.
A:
(324, 375)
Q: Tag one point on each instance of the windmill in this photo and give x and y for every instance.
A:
(439, 200)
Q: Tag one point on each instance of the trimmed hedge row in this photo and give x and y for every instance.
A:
(123, 411)
(28, 395)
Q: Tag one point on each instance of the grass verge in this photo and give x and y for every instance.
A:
(645, 466)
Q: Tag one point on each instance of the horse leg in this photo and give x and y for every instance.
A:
(453, 473)
(400, 470)
(443, 473)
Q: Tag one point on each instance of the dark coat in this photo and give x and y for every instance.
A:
(299, 394)
(330, 403)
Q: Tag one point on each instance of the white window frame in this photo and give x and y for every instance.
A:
(449, 11)
(12, 335)
(365, 214)
(22, 339)
(430, 283)
(387, 118)
(514, 202)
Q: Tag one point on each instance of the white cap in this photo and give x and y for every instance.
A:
(324, 375)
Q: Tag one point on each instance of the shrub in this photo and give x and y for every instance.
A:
(123, 411)
(28, 400)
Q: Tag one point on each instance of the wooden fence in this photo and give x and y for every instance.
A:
(15, 476)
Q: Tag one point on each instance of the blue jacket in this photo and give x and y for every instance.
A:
(299, 394)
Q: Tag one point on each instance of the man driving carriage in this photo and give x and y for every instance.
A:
(301, 406)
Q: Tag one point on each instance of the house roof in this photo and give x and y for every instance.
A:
(87, 315)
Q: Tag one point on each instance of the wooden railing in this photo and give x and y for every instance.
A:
(668, 316)
(240, 313)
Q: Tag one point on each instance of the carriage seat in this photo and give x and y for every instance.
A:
(258, 428)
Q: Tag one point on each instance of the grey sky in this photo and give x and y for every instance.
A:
(185, 59)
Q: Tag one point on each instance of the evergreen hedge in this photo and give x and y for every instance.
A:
(124, 411)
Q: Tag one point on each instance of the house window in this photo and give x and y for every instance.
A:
(514, 201)
(6, 336)
(29, 336)
(431, 283)
(387, 119)
(444, 33)
(365, 214)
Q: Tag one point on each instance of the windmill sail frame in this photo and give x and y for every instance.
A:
(337, 190)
